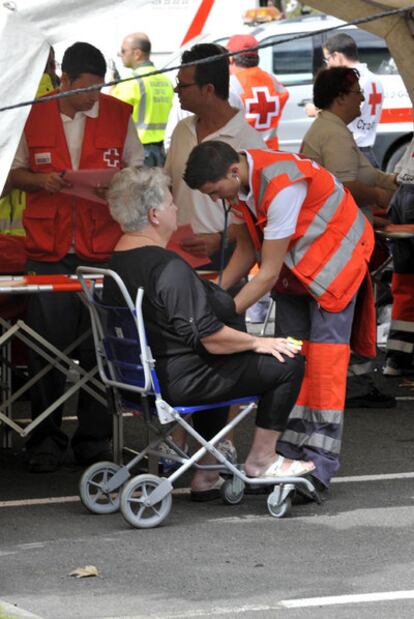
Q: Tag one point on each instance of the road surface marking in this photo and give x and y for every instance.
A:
(179, 491)
(358, 598)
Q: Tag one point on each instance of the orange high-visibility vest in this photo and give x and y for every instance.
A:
(263, 97)
(51, 221)
(333, 241)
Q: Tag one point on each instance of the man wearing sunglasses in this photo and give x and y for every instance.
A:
(151, 96)
(203, 90)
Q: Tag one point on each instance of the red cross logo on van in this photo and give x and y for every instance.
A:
(375, 98)
(112, 157)
(262, 107)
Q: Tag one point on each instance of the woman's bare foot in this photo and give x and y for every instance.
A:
(204, 480)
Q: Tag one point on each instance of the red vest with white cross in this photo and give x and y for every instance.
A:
(263, 98)
(55, 223)
(333, 241)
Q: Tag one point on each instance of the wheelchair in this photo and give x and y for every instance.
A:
(128, 370)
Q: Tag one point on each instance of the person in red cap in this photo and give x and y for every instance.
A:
(262, 95)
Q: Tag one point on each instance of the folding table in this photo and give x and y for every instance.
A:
(61, 360)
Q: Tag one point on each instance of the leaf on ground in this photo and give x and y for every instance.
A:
(85, 572)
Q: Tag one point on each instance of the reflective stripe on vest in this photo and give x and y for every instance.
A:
(402, 325)
(155, 96)
(276, 169)
(343, 254)
(332, 241)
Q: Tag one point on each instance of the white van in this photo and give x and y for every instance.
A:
(296, 62)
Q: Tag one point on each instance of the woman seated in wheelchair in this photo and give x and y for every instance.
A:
(203, 354)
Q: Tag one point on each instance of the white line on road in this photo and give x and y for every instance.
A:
(27, 502)
(12, 610)
(359, 598)
(177, 491)
(362, 478)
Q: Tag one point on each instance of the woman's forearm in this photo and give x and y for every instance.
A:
(228, 341)
(365, 195)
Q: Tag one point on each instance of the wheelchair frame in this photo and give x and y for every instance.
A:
(145, 500)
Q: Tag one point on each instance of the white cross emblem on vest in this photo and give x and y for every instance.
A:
(262, 107)
(112, 157)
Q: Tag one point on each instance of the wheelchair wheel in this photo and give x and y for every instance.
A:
(278, 510)
(92, 488)
(133, 502)
(232, 491)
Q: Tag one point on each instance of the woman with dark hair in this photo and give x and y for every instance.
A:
(338, 95)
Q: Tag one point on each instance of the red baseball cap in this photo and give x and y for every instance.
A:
(242, 42)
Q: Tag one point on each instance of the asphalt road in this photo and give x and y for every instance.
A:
(351, 557)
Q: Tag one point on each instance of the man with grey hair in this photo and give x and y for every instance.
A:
(150, 96)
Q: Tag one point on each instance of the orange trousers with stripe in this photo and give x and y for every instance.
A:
(314, 430)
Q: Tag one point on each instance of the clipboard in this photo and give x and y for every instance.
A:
(84, 182)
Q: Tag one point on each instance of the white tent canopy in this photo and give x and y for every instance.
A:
(27, 29)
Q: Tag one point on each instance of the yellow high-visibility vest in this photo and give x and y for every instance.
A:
(13, 204)
(151, 98)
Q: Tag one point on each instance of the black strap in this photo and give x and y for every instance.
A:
(224, 241)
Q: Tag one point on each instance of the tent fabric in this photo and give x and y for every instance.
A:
(27, 29)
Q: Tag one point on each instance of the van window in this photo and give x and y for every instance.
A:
(292, 61)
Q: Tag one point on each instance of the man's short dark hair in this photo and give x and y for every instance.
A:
(333, 82)
(344, 44)
(242, 60)
(216, 72)
(208, 163)
(83, 58)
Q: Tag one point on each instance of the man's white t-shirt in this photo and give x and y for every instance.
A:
(364, 128)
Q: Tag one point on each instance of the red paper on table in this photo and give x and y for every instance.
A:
(175, 245)
(84, 182)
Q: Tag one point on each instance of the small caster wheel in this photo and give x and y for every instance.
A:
(232, 491)
(134, 502)
(278, 510)
(92, 488)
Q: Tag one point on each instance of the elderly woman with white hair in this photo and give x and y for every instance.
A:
(202, 353)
